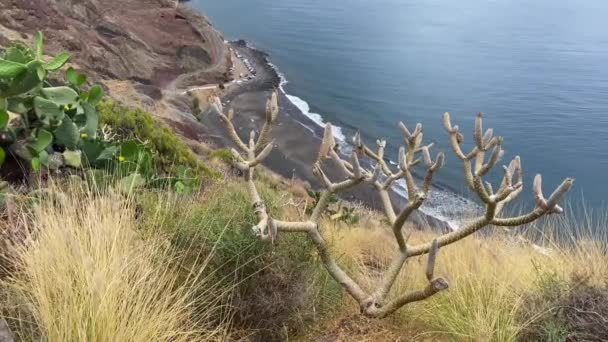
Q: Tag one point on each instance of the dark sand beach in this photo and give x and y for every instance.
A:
(297, 137)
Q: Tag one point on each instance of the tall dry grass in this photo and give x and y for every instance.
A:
(91, 271)
(87, 274)
(491, 276)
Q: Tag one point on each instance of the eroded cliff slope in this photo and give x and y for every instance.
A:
(144, 51)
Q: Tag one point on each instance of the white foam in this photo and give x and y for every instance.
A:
(445, 206)
(307, 128)
(315, 117)
(304, 107)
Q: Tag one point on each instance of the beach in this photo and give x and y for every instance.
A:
(296, 136)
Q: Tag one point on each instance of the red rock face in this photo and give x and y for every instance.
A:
(146, 41)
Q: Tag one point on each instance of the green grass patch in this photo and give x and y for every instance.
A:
(279, 288)
(170, 151)
(222, 154)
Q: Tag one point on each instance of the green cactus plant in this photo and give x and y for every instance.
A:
(49, 119)
(54, 126)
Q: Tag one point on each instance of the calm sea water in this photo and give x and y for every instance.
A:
(538, 70)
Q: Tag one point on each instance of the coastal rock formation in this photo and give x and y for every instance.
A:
(145, 45)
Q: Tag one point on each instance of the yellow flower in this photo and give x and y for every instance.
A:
(66, 107)
(84, 135)
(121, 158)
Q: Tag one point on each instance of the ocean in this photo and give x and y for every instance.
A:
(538, 70)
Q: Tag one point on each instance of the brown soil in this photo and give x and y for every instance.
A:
(357, 328)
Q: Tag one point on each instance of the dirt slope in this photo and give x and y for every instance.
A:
(143, 40)
(141, 50)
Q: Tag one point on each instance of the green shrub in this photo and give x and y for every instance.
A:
(170, 152)
(561, 309)
(279, 289)
(50, 124)
(222, 154)
(90, 274)
(57, 126)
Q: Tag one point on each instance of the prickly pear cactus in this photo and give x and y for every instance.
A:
(51, 119)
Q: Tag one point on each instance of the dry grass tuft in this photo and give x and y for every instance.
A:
(491, 277)
(86, 274)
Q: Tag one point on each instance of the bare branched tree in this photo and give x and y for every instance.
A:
(382, 178)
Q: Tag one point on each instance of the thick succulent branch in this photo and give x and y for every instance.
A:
(334, 270)
(485, 155)
(387, 204)
(217, 106)
(272, 111)
(432, 288)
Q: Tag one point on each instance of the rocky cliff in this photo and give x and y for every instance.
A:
(143, 51)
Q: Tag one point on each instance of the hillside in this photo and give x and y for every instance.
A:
(140, 50)
(143, 41)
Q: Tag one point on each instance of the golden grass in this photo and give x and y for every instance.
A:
(489, 276)
(88, 275)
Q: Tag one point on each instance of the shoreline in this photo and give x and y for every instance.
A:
(296, 135)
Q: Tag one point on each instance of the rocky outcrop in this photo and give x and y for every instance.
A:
(149, 44)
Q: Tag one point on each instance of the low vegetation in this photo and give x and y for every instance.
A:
(45, 125)
(171, 153)
(54, 127)
(278, 292)
(505, 288)
(87, 274)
